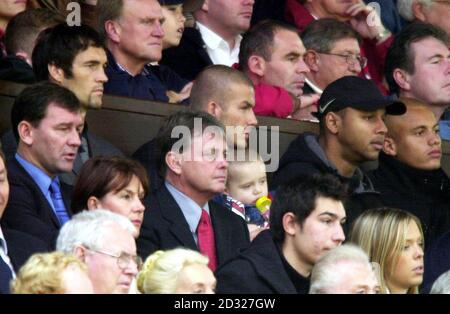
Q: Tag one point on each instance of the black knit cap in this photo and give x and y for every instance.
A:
(357, 93)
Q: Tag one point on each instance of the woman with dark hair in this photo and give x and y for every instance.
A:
(114, 183)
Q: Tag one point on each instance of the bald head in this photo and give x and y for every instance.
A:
(228, 95)
(215, 84)
(413, 138)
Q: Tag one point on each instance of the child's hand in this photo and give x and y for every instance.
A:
(254, 230)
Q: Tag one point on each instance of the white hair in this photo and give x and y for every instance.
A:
(325, 274)
(88, 228)
(442, 284)
(160, 271)
(404, 7)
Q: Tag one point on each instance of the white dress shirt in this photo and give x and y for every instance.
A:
(218, 49)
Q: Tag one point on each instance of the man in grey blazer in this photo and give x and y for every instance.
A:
(72, 57)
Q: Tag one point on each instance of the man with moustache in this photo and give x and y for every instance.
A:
(351, 113)
(409, 175)
(47, 122)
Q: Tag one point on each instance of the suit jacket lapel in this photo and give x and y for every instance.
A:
(32, 184)
(196, 37)
(221, 232)
(172, 213)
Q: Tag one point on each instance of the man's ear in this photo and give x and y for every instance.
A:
(312, 60)
(257, 65)
(56, 74)
(333, 122)
(290, 223)
(80, 252)
(113, 31)
(389, 146)
(417, 9)
(93, 203)
(214, 109)
(25, 130)
(402, 79)
(205, 6)
(173, 162)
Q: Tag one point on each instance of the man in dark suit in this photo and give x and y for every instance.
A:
(215, 39)
(47, 122)
(15, 246)
(73, 57)
(181, 213)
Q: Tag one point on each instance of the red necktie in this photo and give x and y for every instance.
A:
(206, 243)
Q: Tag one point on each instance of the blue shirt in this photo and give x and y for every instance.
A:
(42, 180)
(191, 210)
(151, 84)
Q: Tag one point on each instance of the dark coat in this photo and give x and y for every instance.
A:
(437, 261)
(305, 157)
(22, 245)
(426, 194)
(256, 270)
(28, 210)
(17, 70)
(164, 227)
(96, 146)
(147, 156)
(190, 57)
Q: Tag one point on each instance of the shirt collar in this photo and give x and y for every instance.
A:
(212, 40)
(191, 210)
(40, 177)
(122, 68)
(3, 245)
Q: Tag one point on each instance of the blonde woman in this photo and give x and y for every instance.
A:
(393, 238)
(52, 273)
(176, 271)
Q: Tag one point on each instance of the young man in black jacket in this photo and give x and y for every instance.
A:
(409, 175)
(305, 222)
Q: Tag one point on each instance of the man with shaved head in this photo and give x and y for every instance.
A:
(409, 175)
(225, 93)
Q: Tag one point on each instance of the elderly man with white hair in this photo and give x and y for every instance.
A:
(435, 12)
(105, 242)
(344, 270)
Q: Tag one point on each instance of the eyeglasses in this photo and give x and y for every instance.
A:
(442, 1)
(350, 58)
(123, 260)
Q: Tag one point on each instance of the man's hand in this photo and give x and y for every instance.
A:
(185, 93)
(366, 21)
(307, 104)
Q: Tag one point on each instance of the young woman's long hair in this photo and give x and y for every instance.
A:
(382, 233)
